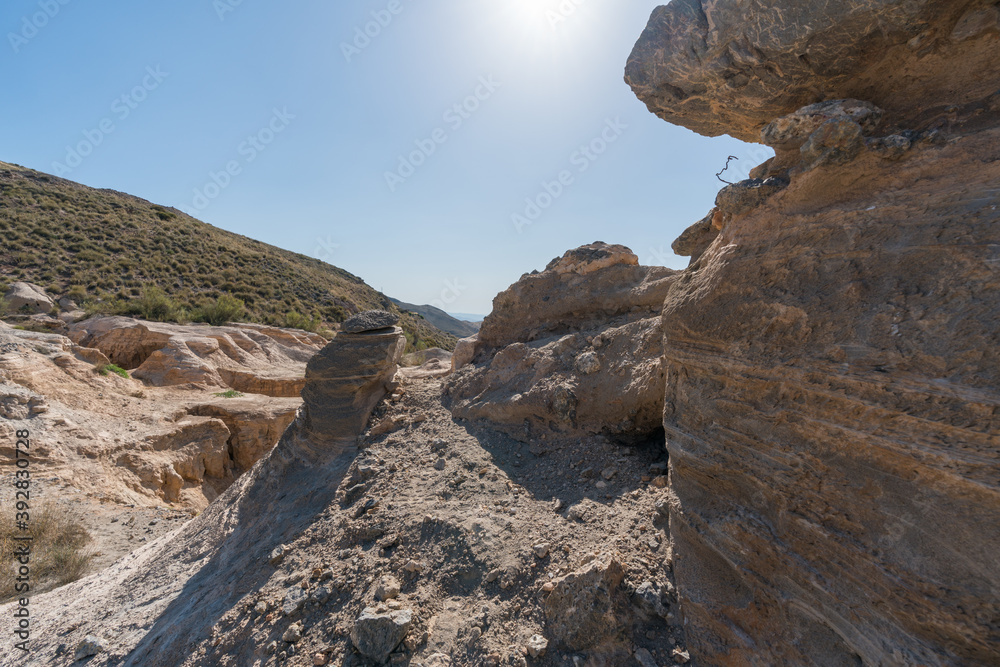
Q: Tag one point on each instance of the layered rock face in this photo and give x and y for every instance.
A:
(570, 351)
(250, 358)
(833, 352)
(729, 67)
(350, 376)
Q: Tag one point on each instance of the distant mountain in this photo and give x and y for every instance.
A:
(106, 248)
(469, 317)
(440, 319)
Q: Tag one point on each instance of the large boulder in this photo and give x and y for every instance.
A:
(729, 67)
(570, 351)
(25, 297)
(346, 380)
(832, 418)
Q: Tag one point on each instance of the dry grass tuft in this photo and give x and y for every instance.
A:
(58, 556)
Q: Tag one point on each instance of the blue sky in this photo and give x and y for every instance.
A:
(438, 149)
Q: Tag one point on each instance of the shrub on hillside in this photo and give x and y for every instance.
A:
(226, 308)
(296, 320)
(153, 305)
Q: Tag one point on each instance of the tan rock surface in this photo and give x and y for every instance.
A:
(574, 350)
(249, 358)
(728, 67)
(124, 441)
(831, 418)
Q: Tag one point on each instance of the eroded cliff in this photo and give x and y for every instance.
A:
(832, 407)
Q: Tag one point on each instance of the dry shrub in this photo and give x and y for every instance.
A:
(58, 556)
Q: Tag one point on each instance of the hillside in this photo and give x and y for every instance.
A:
(104, 248)
(440, 319)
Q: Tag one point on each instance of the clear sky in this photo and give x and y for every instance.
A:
(404, 155)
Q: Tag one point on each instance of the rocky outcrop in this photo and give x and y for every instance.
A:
(188, 461)
(833, 350)
(831, 413)
(831, 419)
(27, 298)
(348, 378)
(254, 426)
(722, 67)
(250, 358)
(570, 351)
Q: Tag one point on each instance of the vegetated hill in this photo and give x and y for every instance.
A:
(440, 319)
(105, 248)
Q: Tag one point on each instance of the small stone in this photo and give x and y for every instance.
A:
(492, 660)
(601, 484)
(650, 635)
(321, 594)
(90, 646)
(492, 576)
(439, 464)
(541, 550)
(277, 554)
(548, 587)
(261, 607)
(660, 482)
(681, 656)
(320, 659)
(587, 363)
(388, 589)
(892, 147)
(271, 648)
(437, 660)
(645, 658)
(413, 567)
(295, 597)
(608, 473)
(537, 645)
(475, 633)
(293, 634)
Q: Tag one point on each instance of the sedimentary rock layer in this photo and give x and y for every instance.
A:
(833, 418)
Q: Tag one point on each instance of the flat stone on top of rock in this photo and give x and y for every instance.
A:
(370, 320)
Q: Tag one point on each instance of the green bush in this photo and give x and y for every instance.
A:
(153, 305)
(296, 320)
(111, 368)
(229, 393)
(226, 308)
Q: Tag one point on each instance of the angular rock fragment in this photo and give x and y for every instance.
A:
(376, 635)
(581, 608)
